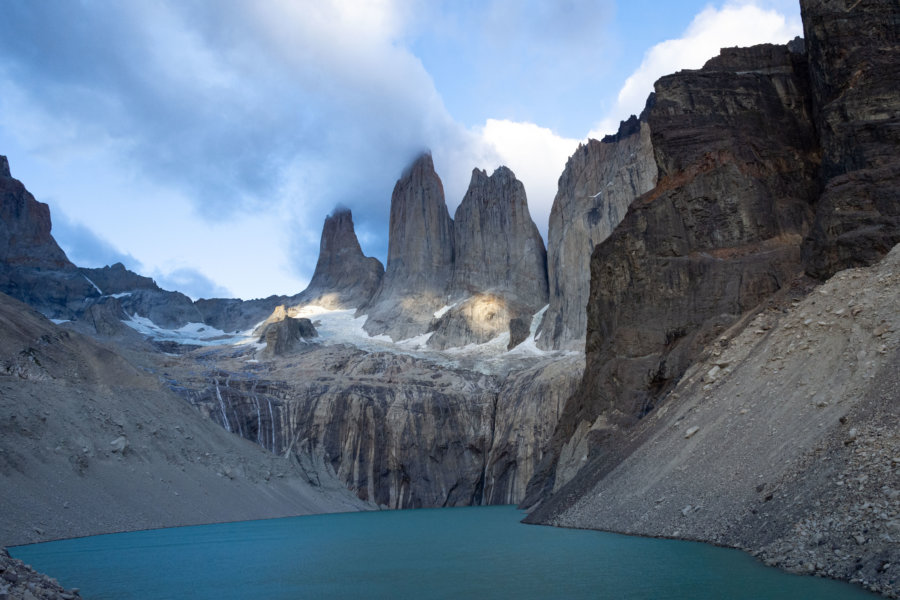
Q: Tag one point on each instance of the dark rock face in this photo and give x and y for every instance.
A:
(497, 246)
(25, 238)
(854, 51)
(33, 268)
(420, 256)
(344, 277)
(598, 184)
(116, 279)
(720, 232)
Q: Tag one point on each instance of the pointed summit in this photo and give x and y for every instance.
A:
(4, 167)
(344, 276)
(500, 265)
(498, 246)
(420, 255)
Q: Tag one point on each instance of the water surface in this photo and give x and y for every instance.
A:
(482, 552)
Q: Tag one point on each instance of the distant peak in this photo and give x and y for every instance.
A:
(4, 167)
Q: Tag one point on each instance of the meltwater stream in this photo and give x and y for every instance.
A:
(479, 552)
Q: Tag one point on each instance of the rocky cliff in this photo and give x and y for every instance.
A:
(781, 440)
(854, 51)
(398, 430)
(420, 256)
(344, 276)
(25, 238)
(598, 184)
(703, 411)
(499, 265)
(736, 152)
(33, 268)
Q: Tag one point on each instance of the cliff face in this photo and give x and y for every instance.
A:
(854, 51)
(420, 256)
(497, 246)
(33, 268)
(709, 364)
(721, 231)
(499, 266)
(25, 238)
(344, 276)
(398, 430)
(598, 184)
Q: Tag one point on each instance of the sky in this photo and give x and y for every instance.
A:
(203, 143)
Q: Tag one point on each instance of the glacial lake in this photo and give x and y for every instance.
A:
(482, 552)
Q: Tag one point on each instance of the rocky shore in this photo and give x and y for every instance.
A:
(19, 581)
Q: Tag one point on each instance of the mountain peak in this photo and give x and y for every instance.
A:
(4, 167)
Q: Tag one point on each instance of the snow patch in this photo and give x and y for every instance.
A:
(99, 291)
(443, 310)
(60, 321)
(195, 334)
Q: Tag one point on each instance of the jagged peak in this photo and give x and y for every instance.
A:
(4, 167)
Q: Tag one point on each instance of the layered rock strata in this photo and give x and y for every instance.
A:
(420, 256)
(721, 231)
(598, 184)
(854, 50)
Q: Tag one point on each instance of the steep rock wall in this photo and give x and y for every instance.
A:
(598, 184)
(854, 50)
(420, 256)
(720, 232)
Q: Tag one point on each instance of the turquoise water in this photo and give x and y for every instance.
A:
(479, 552)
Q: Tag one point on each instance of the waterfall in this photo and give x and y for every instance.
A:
(222, 406)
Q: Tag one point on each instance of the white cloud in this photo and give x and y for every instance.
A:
(536, 155)
(735, 24)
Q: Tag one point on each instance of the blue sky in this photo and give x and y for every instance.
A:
(203, 143)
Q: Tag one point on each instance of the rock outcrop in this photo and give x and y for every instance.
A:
(33, 268)
(344, 276)
(282, 332)
(598, 184)
(854, 52)
(721, 231)
(420, 256)
(25, 239)
(499, 266)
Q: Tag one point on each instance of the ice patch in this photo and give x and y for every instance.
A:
(442, 311)
(120, 295)
(529, 346)
(60, 321)
(195, 334)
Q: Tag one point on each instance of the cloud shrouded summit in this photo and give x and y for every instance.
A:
(228, 130)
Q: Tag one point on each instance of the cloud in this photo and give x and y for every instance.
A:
(84, 247)
(190, 282)
(537, 156)
(736, 24)
(243, 108)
